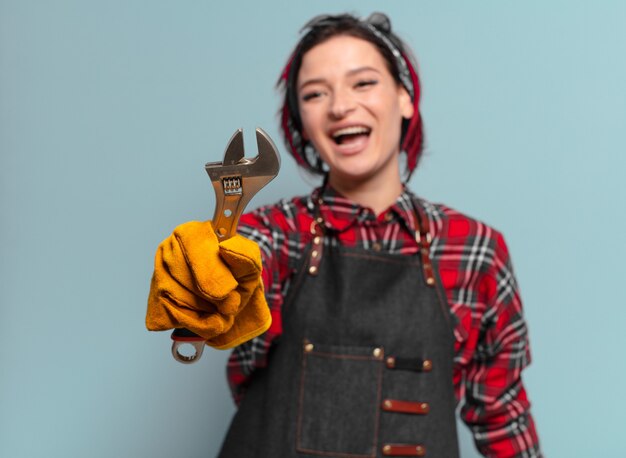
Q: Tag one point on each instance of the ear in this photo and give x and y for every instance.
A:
(406, 104)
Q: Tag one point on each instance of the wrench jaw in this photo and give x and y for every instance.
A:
(268, 159)
(234, 149)
(235, 184)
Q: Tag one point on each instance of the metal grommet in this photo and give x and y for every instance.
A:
(308, 347)
(424, 407)
(313, 270)
(420, 450)
(317, 239)
(377, 352)
(391, 362)
(388, 404)
(386, 449)
(430, 281)
(319, 220)
(427, 365)
(314, 253)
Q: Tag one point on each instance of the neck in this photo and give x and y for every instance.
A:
(378, 193)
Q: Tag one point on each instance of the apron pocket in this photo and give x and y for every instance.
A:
(340, 391)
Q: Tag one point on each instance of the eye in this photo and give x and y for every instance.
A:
(365, 83)
(310, 95)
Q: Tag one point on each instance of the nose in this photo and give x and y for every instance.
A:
(341, 104)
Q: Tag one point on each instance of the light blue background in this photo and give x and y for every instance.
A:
(108, 111)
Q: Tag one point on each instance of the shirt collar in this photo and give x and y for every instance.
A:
(340, 213)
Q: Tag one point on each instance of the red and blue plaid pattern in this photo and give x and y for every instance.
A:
(475, 268)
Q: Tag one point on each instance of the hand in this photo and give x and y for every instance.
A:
(213, 289)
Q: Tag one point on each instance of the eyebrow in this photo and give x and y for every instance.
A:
(352, 72)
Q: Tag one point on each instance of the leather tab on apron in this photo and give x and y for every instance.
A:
(317, 246)
(404, 450)
(423, 239)
(412, 407)
(409, 364)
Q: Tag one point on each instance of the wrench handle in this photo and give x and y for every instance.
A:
(182, 336)
(228, 209)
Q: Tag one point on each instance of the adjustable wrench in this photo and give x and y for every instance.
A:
(236, 180)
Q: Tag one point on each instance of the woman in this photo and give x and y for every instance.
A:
(387, 310)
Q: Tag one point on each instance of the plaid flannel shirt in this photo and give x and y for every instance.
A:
(474, 265)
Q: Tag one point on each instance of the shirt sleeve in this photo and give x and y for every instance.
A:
(496, 407)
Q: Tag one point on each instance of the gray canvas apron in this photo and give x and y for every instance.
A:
(363, 367)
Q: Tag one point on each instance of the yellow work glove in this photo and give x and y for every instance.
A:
(210, 288)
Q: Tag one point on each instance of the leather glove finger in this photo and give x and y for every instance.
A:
(191, 254)
(253, 320)
(172, 305)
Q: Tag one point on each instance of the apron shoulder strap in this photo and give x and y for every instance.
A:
(423, 239)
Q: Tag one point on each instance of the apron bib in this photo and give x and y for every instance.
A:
(363, 367)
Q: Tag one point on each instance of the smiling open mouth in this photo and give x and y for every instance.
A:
(350, 134)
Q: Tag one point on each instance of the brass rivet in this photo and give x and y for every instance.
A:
(430, 281)
(424, 406)
(387, 404)
(391, 361)
(317, 240)
(314, 253)
(419, 450)
(319, 220)
(308, 347)
(427, 365)
(377, 352)
(312, 270)
(386, 449)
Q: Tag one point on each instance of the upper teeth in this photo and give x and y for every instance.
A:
(350, 131)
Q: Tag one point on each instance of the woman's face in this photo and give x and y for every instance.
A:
(352, 109)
